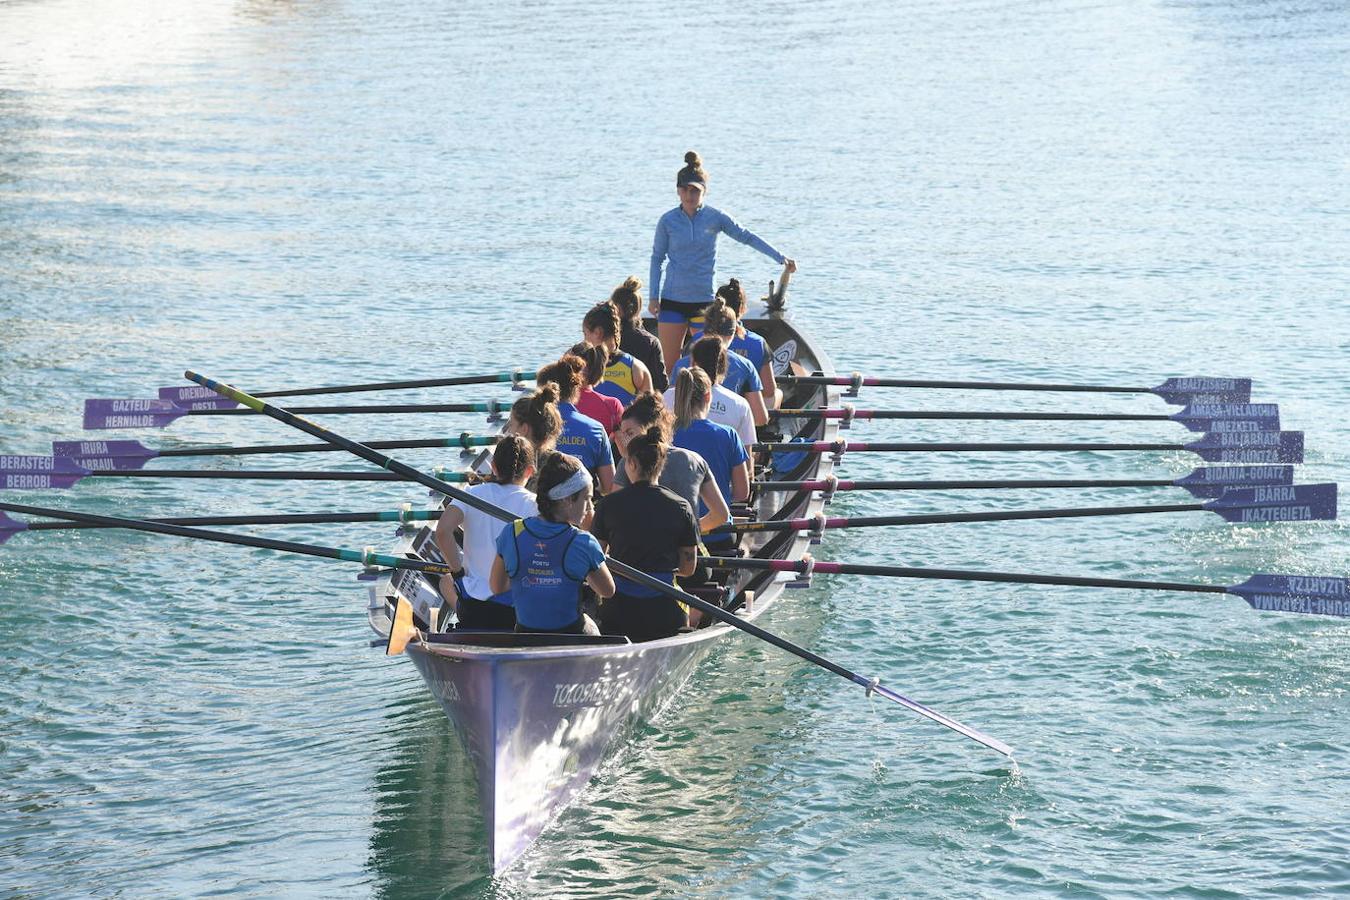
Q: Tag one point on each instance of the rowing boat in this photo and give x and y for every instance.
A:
(538, 714)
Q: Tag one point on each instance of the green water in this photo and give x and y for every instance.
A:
(292, 193)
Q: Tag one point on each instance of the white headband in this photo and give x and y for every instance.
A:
(576, 483)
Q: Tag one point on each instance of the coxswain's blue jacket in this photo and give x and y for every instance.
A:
(688, 247)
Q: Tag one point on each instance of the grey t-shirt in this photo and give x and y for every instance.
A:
(683, 475)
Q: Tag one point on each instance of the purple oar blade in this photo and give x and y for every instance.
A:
(1226, 390)
(1296, 594)
(103, 455)
(1250, 447)
(21, 473)
(195, 397)
(1276, 503)
(1229, 417)
(1212, 481)
(10, 527)
(106, 413)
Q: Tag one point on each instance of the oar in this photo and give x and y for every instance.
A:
(62, 473)
(1177, 391)
(1206, 481)
(192, 394)
(10, 527)
(1216, 417)
(127, 454)
(107, 413)
(1228, 447)
(1274, 503)
(870, 685)
(366, 557)
(1309, 594)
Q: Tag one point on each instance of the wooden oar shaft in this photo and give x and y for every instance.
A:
(988, 484)
(836, 568)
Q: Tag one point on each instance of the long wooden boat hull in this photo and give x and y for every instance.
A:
(538, 722)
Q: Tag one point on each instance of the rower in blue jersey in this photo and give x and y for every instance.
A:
(544, 560)
(686, 246)
(742, 377)
(719, 445)
(582, 436)
(750, 345)
(625, 375)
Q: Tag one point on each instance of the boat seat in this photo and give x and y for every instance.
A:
(715, 594)
(509, 639)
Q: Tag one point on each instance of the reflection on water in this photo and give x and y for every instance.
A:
(311, 192)
(427, 837)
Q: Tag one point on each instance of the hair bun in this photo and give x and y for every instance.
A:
(735, 284)
(691, 159)
(546, 393)
(632, 283)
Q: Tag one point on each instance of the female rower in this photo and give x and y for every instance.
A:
(582, 436)
(535, 418)
(651, 529)
(634, 338)
(742, 377)
(469, 595)
(686, 244)
(590, 402)
(685, 473)
(726, 408)
(750, 345)
(718, 444)
(544, 560)
(625, 375)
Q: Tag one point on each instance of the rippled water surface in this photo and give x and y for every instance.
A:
(294, 193)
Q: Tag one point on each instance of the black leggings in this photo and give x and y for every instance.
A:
(642, 618)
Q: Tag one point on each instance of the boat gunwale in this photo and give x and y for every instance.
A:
(777, 581)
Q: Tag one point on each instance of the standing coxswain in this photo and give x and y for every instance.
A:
(685, 245)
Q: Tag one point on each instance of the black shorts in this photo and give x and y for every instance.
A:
(677, 312)
(485, 615)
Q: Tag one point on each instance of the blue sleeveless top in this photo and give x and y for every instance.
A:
(547, 562)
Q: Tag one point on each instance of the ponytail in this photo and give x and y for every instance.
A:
(734, 295)
(538, 413)
(648, 451)
(512, 458)
(595, 358)
(603, 317)
(627, 298)
(566, 374)
(692, 388)
(710, 355)
(647, 410)
(719, 319)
